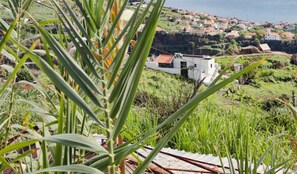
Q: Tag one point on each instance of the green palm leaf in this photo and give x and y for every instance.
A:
(78, 168)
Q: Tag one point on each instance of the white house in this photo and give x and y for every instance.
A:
(271, 36)
(196, 67)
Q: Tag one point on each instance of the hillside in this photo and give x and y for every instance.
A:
(203, 33)
(250, 107)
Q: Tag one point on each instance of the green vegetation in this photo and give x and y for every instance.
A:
(40, 11)
(224, 119)
(168, 21)
(249, 112)
(48, 126)
(23, 74)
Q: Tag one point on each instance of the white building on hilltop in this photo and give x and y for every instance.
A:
(196, 67)
(271, 35)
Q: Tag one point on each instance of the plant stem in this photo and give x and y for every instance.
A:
(108, 120)
(58, 151)
(12, 97)
(11, 101)
(109, 128)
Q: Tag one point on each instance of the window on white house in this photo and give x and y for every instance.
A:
(195, 65)
(210, 65)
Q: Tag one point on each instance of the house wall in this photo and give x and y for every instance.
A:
(176, 63)
(269, 37)
(155, 66)
(204, 68)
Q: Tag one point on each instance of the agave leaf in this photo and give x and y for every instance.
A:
(73, 68)
(60, 83)
(13, 6)
(261, 159)
(8, 68)
(8, 33)
(118, 59)
(76, 21)
(3, 122)
(26, 5)
(8, 55)
(23, 155)
(98, 13)
(132, 73)
(82, 48)
(47, 22)
(130, 62)
(115, 22)
(17, 146)
(106, 18)
(76, 168)
(101, 161)
(17, 68)
(76, 140)
(5, 164)
(88, 17)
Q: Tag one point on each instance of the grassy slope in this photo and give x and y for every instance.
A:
(39, 12)
(44, 13)
(221, 119)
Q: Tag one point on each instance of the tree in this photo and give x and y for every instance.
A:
(256, 42)
(218, 37)
(260, 34)
(232, 47)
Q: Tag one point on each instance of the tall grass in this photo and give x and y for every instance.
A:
(219, 122)
(212, 128)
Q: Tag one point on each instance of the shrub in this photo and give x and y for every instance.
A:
(269, 104)
(23, 74)
(265, 73)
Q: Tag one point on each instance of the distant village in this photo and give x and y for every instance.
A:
(184, 37)
(204, 23)
(179, 20)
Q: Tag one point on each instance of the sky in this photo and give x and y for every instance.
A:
(249, 10)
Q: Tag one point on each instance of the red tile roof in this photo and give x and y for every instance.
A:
(163, 58)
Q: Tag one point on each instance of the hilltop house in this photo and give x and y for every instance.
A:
(196, 67)
(272, 36)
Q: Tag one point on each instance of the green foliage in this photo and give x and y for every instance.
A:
(216, 121)
(257, 42)
(23, 74)
(232, 48)
(93, 91)
(214, 125)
